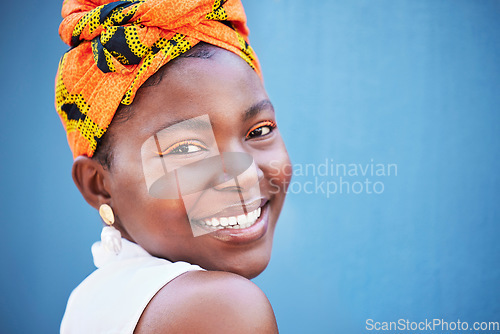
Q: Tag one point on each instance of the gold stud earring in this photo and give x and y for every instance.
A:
(111, 238)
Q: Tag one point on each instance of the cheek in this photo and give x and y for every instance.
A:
(277, 169)
(142, 215)
(128, 186)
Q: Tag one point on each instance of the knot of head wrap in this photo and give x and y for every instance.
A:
(117, 46)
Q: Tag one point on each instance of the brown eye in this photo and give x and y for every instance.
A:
(261, 129)
(184, 147)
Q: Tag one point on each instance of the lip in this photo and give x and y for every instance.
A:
(246, 235)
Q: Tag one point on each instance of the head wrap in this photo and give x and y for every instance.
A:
(117, 46)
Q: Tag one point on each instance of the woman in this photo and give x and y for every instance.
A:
(175, 143)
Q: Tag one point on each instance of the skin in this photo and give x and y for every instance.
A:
(225, 88)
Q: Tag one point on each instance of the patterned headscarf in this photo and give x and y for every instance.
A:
(117, 46)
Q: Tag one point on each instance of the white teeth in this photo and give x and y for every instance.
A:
(242, 220)
(237, 222)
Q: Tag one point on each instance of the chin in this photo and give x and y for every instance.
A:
(248, 272)
(251, 264)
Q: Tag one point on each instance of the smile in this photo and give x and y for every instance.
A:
(236, 228)
(234, 222)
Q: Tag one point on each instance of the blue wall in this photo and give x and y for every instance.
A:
(410, 83)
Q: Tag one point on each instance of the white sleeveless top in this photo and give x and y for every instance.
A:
(112, 298)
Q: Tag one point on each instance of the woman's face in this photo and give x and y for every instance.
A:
(213, 108)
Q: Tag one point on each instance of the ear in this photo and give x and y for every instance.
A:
(92, 180)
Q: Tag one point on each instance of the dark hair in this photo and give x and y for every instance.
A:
(104, 151)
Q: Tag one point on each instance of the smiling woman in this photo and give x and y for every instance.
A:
(181, 173)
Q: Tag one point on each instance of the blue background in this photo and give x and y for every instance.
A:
(414, 83)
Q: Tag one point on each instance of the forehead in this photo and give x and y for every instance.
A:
(222, 85)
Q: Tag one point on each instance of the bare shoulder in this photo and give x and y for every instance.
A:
(208, 302)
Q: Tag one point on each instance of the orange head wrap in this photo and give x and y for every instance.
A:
(117, 46)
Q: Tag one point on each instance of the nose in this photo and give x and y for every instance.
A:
(239, 172)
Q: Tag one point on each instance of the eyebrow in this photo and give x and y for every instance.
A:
(256, 108)
(187, 124)
(197, 124)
